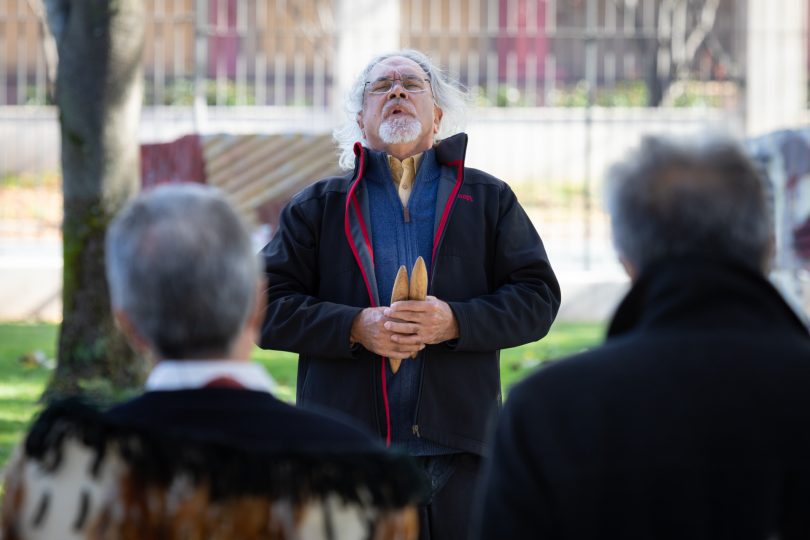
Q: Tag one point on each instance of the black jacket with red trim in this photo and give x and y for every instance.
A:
(489, 265)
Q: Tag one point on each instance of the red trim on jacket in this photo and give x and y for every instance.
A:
(459, 164)
(351, 200)
(347, 228)
(363, 229)
(385, 401)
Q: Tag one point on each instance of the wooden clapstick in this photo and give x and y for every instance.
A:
(419, 282)
(400, 292)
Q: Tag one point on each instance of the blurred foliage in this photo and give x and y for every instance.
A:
(27, 180)
(504, 96)
(682, 94)
(180, 92)
(35, 97)
(622, 94)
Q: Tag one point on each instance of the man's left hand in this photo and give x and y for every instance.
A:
(426, 321)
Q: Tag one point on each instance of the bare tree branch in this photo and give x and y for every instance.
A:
(49, 49)
(705, 24)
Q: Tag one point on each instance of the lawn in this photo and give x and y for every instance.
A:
(21, 380)
(23, 377)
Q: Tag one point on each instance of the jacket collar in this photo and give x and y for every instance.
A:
(189, 374)
(701, 293)
(452, 149)
(448, 151)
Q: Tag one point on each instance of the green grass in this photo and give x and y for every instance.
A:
(564, 339)
(22, 382)
(283, 366)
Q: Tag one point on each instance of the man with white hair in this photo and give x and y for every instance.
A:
(423, 374)
(691, 420)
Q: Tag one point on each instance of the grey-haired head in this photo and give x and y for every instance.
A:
(701, 196)
(447, 96)
(181, 267)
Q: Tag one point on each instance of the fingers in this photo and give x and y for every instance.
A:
(369, 330)
(399, 327)
(431, 321)
(409, 339)
(408, 325)
(405, 306)
(412, 311)
(387, 340)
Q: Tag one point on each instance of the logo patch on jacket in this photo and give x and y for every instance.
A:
(465, 197)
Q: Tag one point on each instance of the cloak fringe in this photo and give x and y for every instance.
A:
(385, 479)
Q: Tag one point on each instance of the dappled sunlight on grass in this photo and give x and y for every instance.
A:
(22, 383)
(14, 421)
(15, 389)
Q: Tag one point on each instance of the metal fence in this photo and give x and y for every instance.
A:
(507, 52)
(560, 87)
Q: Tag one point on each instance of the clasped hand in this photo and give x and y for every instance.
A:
(405, 327)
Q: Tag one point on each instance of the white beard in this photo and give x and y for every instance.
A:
(400, 129)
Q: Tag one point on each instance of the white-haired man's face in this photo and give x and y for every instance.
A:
(403, 119)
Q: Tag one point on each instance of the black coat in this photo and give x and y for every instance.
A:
(242, 418)
(489, 265)
(692, 421)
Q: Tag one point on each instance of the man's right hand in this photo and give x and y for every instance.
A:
(368, 330)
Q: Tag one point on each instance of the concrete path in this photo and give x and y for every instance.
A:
(30, 279)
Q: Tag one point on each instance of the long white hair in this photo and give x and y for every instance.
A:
(447, 94)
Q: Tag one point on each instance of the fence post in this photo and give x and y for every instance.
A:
(776, 86)
(591, 78)
(200, 63)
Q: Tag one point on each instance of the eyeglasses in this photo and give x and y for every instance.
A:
(410, 83)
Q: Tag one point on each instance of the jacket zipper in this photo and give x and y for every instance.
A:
(415, 426)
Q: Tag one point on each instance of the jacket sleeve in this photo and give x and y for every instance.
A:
(513, 497)
(526, 297)
(296, 319)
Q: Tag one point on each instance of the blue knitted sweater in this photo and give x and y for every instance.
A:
(398, 237)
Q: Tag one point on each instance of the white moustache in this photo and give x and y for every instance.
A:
(404, 106)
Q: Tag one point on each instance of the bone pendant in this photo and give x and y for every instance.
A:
(400, 292)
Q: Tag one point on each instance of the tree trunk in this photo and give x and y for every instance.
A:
(98, 93)
(656, 85)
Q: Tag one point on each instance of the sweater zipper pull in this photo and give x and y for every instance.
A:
(406, 214)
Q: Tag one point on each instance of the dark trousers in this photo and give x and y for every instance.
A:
(448, 513)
